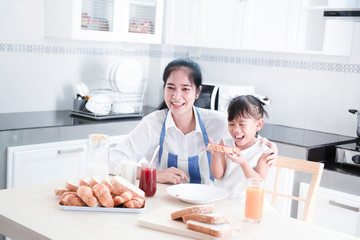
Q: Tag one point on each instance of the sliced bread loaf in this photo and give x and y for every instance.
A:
(194, 209)
(123, 185)
(210, 218)
(222, 231)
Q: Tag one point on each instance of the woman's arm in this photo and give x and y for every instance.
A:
(272, 153)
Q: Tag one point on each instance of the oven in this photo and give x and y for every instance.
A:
(217, 97)
(348, 155)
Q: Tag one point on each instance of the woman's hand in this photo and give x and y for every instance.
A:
(171, 175)
(271, 153)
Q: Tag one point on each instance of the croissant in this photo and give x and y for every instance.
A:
(103, 194)
(86, 194)
(126, 196)
(71, 199)
(135, 203)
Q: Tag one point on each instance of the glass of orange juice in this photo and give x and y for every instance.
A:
(254, 200)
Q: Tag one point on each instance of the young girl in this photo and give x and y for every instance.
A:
(248, 160)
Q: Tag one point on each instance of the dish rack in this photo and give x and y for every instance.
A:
(122, 104)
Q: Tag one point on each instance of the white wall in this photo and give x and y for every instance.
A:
(35, 77)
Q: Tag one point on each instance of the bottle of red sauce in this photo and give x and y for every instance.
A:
(148, 179)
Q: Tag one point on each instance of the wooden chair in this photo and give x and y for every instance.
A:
(315, 168)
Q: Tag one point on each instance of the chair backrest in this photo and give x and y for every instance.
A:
(315, 168)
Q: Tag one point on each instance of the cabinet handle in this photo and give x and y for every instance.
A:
(337, 204)
(70, 151)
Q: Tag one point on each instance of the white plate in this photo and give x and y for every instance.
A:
(111, 74)
(197, 193)
(128, 76)
(102, 209)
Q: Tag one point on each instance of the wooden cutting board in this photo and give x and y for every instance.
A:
(160, 220)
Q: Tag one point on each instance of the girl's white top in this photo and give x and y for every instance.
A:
(234, 180)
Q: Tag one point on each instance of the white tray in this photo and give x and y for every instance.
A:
(102, 209)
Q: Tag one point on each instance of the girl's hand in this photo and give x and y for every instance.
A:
(171, 175)
(272, 153)
(236, 156)
(214, 152)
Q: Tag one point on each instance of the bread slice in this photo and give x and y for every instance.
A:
(210, 218)
(123, 185)
(222, 231)
(194, 209)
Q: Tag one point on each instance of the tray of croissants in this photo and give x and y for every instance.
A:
(101, 194)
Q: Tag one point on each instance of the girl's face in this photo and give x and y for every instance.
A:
(180, 93)
(243, 130)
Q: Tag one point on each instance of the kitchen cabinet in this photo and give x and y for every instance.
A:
(204, 23)
(48, 162)
(40, 163)
(104, 20)
(334, 209)
(270, 25)
(317, 34)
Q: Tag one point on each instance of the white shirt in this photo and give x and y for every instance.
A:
(143, 140)
(234, 180)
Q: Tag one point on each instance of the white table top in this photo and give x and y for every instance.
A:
(34, 213)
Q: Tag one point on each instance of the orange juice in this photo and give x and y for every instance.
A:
(254, 200)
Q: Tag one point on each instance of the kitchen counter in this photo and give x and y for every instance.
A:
(34, 213)
(302, 137)
(33, 120)
(18, 129)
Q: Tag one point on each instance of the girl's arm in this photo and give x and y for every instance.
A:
(217, 165)
(261, 169)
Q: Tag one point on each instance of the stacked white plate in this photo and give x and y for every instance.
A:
(125, 75)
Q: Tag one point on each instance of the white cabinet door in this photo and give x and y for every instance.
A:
(220, 23)
(270, 25)
(335, 210)
(100, 20)
(180, 23)
(204, 23)
(42, 163)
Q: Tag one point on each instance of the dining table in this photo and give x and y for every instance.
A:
(34, 212)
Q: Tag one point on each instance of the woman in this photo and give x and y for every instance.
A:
(180, 129)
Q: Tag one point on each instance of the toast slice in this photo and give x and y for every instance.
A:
(210, 218)
(220, 148)
(194, 209)
(222, 231)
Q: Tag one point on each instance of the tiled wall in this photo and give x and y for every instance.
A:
(282, 63)
(312, 92)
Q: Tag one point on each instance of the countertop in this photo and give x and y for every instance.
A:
(18, 222)
(302, 137)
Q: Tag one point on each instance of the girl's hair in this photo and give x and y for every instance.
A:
(246, 106)
(190, 67)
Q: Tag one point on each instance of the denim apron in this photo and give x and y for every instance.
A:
(196, 167)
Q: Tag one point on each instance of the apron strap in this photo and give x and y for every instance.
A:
(206, 141)
(204, 134)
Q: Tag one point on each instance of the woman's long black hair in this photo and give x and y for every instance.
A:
(192, 68)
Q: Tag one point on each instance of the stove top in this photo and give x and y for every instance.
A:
(351, 146)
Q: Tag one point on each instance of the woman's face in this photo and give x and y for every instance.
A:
(180, 92)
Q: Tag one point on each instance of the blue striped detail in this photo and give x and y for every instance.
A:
(172, 160)
(162, 137)
(194, 170)
(206, 141)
